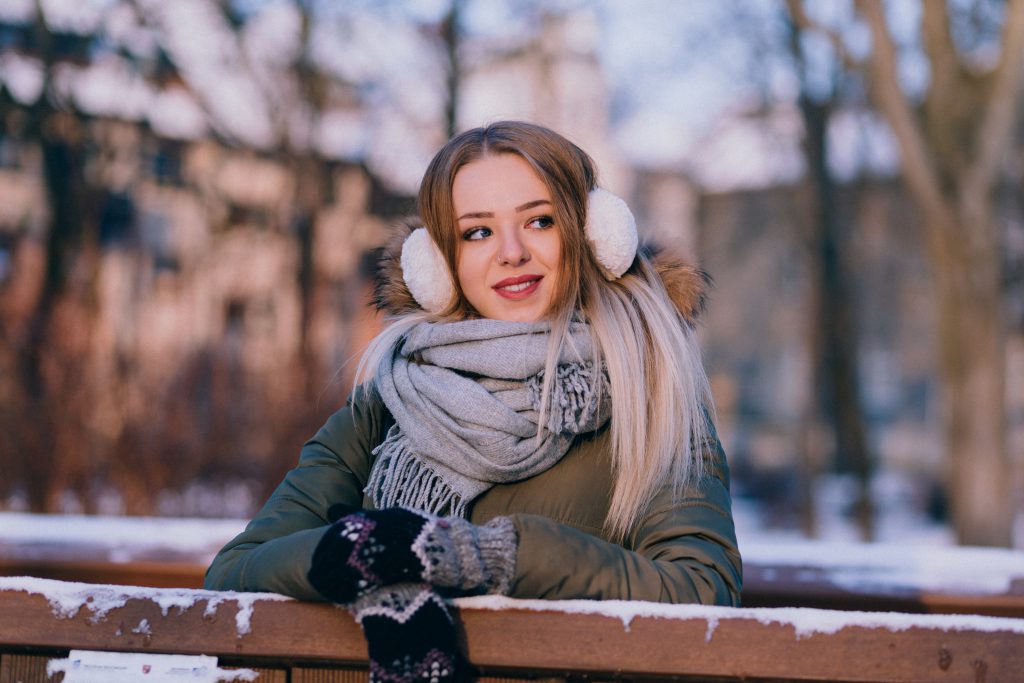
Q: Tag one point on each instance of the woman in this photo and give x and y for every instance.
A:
(533, 423)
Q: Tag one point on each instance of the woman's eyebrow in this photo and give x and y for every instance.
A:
(530, 205)
(490, 214)
(476, 214)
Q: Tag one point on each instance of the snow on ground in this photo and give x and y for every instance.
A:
(121, 539)
(889, 568)
(896, 566)
(910, 556)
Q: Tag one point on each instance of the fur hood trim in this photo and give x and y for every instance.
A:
(687, 284)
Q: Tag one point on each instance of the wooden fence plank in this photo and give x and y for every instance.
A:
(699, 643)
(736, 647)
(154, 574)
(800, 586)
(25, 669)
(265, 675)
(306, 675)
(276, 632)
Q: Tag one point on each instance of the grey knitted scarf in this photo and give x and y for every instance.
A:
(465, 397)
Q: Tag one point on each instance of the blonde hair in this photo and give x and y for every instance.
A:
(657, 383)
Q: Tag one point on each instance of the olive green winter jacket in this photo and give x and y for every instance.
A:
(683, 551)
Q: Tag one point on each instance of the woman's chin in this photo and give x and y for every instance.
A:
(523, 311)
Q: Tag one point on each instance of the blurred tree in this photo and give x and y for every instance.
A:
(451, 33)
(51, 409)
(835, 335)
(952, 140)
(49, 347)
(339, 95)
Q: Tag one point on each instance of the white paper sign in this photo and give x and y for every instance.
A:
(87, 666)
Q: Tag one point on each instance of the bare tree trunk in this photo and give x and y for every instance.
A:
(307, 198)
(45, 371)
(973, 353)
(809, 441)
(451, 35)
(953, 187)
(835, 339)
(313, 177)
(837, 357)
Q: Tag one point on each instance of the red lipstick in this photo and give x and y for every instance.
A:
(518, 287)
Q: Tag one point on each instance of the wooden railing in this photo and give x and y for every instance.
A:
(791, 626)
(293, 642)
(773, 585)
(184, 573)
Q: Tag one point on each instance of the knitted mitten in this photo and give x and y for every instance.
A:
(367, 549)
(410, 636)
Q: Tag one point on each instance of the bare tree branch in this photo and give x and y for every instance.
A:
(998, 113)
(941, 111)
(805, 23)
(918, 167)
(942, 54)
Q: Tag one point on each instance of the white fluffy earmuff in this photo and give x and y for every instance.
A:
(425, 272)
(610, 229)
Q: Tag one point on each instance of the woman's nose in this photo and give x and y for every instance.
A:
(512, 250)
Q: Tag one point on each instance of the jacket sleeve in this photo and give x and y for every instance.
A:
(683, 551)
(274, 552)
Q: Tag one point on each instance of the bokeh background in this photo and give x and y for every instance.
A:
(192, 193)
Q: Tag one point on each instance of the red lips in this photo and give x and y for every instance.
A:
(518, 287)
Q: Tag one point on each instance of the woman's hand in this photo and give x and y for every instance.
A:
(367, 549)
(364, 550)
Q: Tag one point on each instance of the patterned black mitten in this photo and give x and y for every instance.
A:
(367, 549)
(410, 636)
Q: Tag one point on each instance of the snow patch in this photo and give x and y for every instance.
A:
(890, 568)
(92, 666)
(68, 598)
(125, 538)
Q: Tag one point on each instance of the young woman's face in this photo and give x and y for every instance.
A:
(509, 248)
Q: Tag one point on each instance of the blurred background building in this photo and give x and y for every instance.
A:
(191, 194)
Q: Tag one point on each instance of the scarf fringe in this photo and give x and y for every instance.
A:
(399, 477)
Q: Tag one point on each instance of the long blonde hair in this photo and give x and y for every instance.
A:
(659, 390)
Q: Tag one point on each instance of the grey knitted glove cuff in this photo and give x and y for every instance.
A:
(499, 544)
(459, 554)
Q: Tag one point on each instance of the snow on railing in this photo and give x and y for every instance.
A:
(68, 598)
(518, 637)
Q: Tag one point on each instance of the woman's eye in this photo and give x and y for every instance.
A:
(542, 222)
(476, 234)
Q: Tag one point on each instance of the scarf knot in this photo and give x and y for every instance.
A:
(573, 406)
